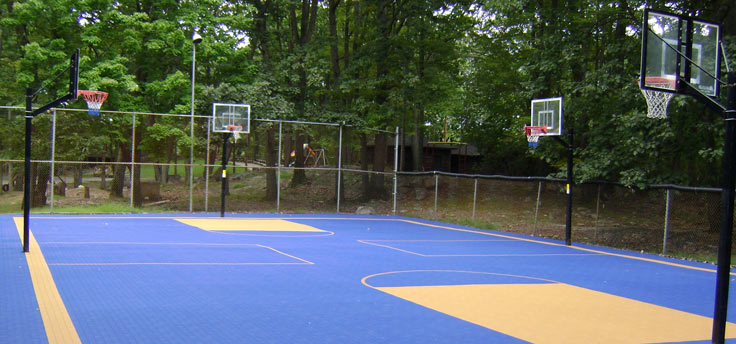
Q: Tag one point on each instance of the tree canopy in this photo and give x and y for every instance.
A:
(456, 70)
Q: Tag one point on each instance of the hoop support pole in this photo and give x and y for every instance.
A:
(727, 207)
(27, 171)
(568, 219)
(568, 187)
(225, 138)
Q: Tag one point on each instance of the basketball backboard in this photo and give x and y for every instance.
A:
(547, 113)
(676, 48)
(228, 118)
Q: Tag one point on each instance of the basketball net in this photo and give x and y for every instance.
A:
(94, 100)
(235, 130)
(657, 101)
(533, 133)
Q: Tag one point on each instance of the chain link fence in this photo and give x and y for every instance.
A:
(138, 162)
(665, 219)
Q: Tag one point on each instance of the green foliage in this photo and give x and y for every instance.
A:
(459, 70)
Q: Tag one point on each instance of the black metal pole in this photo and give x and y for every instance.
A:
(727, 198)
(27, 170)
(225, 138)
(568, 220)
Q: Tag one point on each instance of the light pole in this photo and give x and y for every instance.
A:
(196, 38)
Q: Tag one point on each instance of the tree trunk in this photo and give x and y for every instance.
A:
(379, 165)
(256, 145)
(334, 56)
(364, 166)
(260, 32)
(78, 168)
(158, 174)
(118, 178)
(287, 148)
(271, 157)
(103, 175)
(16, 180)
(137, 194)
(417, 149)
(300, 176)
(39, 184)
(210, 162)
(301, 31)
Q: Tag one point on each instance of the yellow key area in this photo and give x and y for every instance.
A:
(266, 225)
(560, 313)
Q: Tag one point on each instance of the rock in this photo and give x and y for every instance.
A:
(364, 210)
(420, 194)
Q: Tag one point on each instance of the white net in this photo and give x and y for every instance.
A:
(94, 100)
(533, 133)
(657, 102)
(533, 138)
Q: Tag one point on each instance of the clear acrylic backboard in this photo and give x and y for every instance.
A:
(547, 113)
(230, 118)
(676, 47)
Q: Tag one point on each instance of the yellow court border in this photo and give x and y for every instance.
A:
(56, 320)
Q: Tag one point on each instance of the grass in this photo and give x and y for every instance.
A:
(699, 257)
(147, 171)
(474, 223)
(107, 208)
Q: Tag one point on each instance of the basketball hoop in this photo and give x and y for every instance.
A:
(657, 101)
(533, 133)
(235, 130)
(94, 100)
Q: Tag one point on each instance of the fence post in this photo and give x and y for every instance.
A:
(339, 167)
(396, 168)
(666, 221)
(536, 211)
(278, 173)
(53, 160)
(436, 190)
(207, 167)
(475, 196)
(597, 212)
(132, 165)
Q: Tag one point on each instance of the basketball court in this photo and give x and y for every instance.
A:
(335, 279)
(277, 278)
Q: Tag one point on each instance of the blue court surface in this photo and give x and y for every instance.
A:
(275, 278)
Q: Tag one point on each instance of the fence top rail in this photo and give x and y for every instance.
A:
(657, 186)
(322, 123)
(113, 112)
(684, 188)
(480, 176)
(403, 173)
(201, 116)
(556, 180)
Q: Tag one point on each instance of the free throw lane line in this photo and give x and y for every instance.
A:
(56, 321)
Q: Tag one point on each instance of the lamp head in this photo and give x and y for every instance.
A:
(196, 38)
